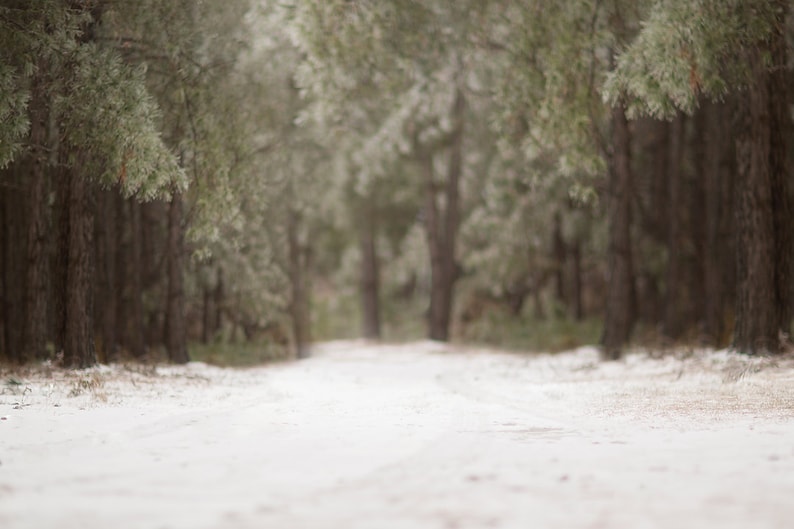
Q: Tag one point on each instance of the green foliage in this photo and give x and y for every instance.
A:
(686, 49)
(336, 315)
(238, 354)
(111, 122)
(108, 121)
(551, 105)
(13, 116)
(524, 333)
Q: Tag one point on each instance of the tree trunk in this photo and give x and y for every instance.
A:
(718, 183)
(370, 277)
(218, 299)
(696, 227)
(60, 262)
(206, 307)
(38, 264)
(4, 246)
(618, 317)
(136, 342)
(442, 228)
(107, 239)
(763, 304)
(576, 290)
(558, 256)
(14, 241)
(78, 345)
(299, 304)
(438, 327)
(176, 332)
(780, 174)
(121, 256)
(675, 298)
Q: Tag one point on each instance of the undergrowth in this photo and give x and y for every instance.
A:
(525, 333)
(238, 354)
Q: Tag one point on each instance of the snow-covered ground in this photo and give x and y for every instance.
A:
(406, 437)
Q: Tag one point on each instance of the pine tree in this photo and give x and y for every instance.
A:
(686, 50)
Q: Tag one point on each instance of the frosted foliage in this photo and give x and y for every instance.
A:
(686, 49)
(12, 115)
(552, 104)
(110, 115)
(507, 237)
(411, 261)
(419, 121)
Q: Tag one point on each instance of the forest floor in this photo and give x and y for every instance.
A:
(410, 436)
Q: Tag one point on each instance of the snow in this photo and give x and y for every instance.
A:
(420, 435)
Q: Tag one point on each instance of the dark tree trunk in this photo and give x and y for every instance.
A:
(370, 276)
(442, 229)
(438, 325)
(576, 283)
(780, 174)
(763, 304)
(38, 264)
(718, 179)
(299, 303)
(135, 336)
(558, 256)
(121, 256)
(660, 186)
(78, 347)
(206, 315)
(538, 282)
(4, 305)
(106, 297)
(696, 226)
(60, 264)
(154, 218)
(176, 332)
(618, 317)
(218, 298)
(14, 241)
(675, 297)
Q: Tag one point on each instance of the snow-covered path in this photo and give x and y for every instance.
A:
(413, 436)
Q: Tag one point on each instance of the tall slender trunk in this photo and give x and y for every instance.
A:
(299, 303)
(370, 276)
(121, 257)
(37, 269)
(618, 318)
(718, 179)
(713, 324)
(780, 172)
(660, 192)
(206, 307)
(558, 256)
(764, 232)
(78, 345)
(14, 241)
(4, 305)
(60, 263)
(576, 287)
(437, 327)
(675, 296)
(696, 227)
(135, 337)
(105, 302)
(218, 299)
(442, 228)
(176, 332)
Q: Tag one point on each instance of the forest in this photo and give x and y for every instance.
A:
(179, 175)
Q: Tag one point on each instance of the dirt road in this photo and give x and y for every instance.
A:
(414, 436)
